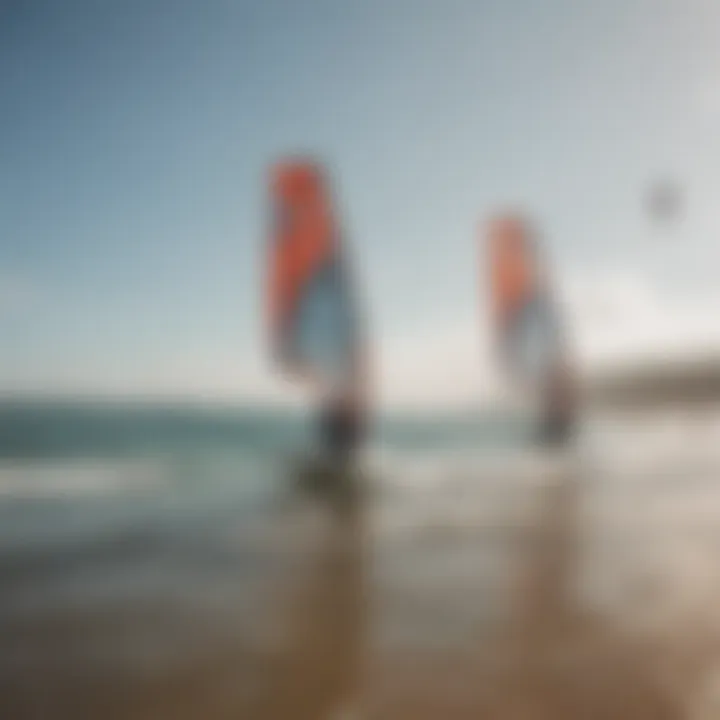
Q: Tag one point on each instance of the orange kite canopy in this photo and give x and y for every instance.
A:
(513, 270)
(302, 237)
(295, 179)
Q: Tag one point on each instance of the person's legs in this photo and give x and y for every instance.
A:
(331, 432)
(555, 430)
(340, 432)
(559, 411)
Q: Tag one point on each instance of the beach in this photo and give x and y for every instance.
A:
(515, 585)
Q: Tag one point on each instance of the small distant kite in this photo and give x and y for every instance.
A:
(664, 201)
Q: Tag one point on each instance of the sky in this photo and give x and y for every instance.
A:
(135, 137)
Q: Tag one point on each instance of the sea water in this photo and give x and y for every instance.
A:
(141, 542)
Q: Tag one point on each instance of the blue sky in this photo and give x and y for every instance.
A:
(134, 137)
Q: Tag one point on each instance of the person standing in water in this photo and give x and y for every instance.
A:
(314, 317)
(531, 346)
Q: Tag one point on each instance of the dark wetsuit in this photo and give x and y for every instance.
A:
(558, 421)
(556, 428)
(340, 431)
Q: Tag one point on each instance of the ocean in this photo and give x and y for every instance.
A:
(153, 563)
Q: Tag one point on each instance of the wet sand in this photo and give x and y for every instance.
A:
(556, 595)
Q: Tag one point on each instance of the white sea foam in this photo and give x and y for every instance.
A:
(47, 479)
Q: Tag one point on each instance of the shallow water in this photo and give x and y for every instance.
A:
(477, 580)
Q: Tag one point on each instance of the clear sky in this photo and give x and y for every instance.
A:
(135, 134)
